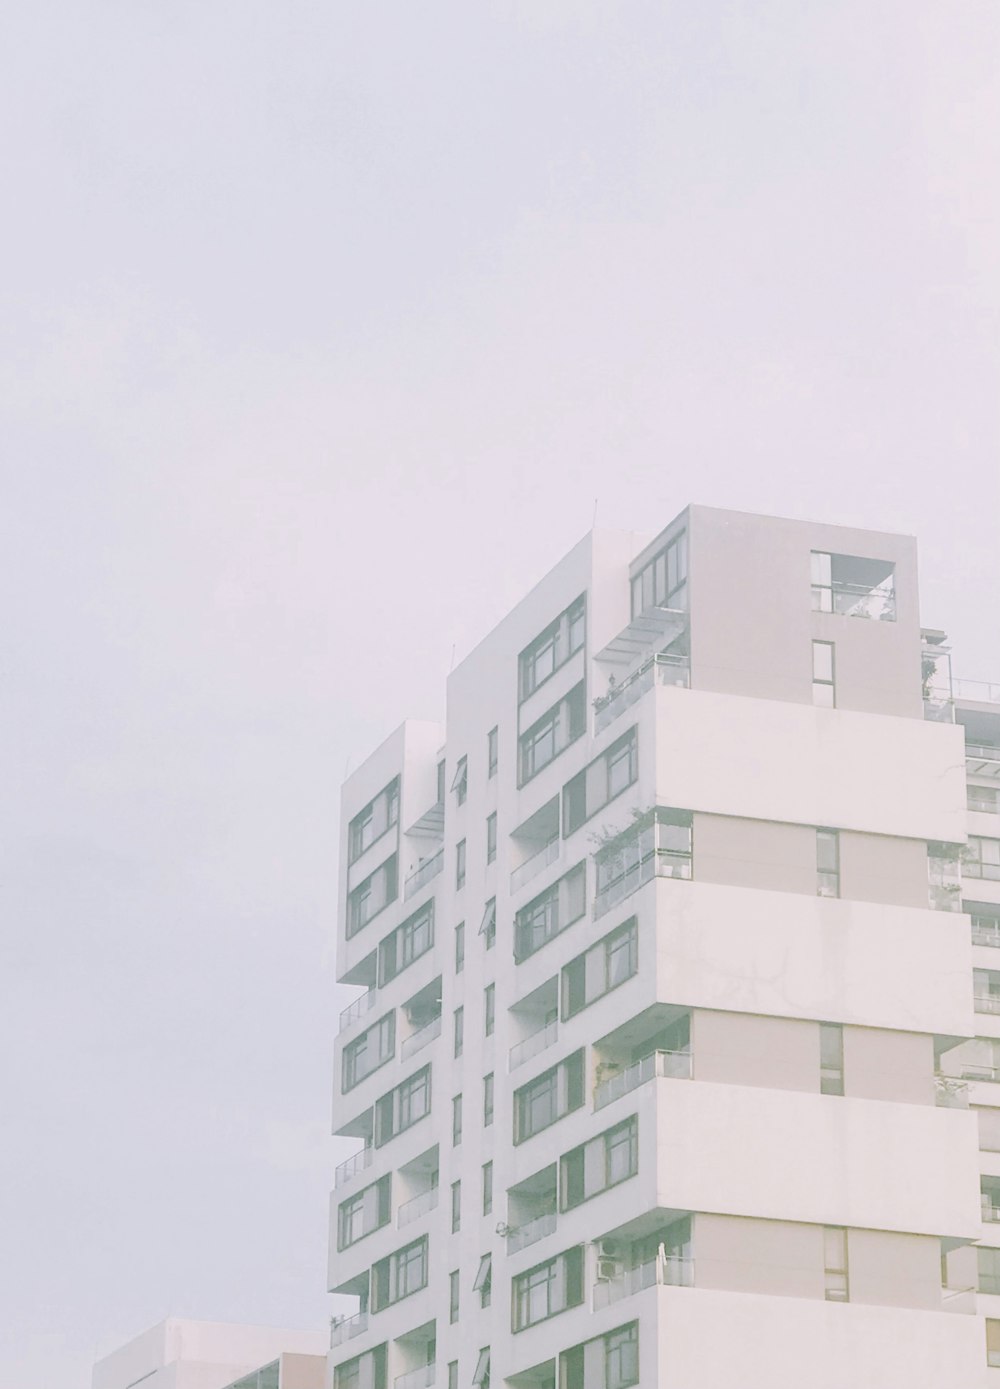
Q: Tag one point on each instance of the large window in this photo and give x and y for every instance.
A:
(361, 1214)
(989, 1269)
(831, 1058)
(600, 969)
(610, 1361)
(549, 1097)
(835, 1263)
(404, 1106)
(546, 915)
(603, 1162)
(399, 1275)
(552, 734)
(366, 1053)
(372, 896)
(659, 844)
(413, 938)
(366, 1371)
(827, 863)
(981, 858)
(600, 782)
(547, 1289)
(662, 581)
(371, 823)
(552, 648)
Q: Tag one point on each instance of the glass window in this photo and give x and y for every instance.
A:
(621, 1357)
(835, 1263)
(454, 1284)
(552, 733)
(827, 863)
(491, 837)
(487, 1188)
(460, 947)
(822, 674)
(489, 1008)
(488, 1100)
(413, 938)
(481, 1374)
(459, 1030)
(981, 858)
(831, 1058)
(371, 896)
(552, 648)
(989, 1269)
(662, 581)
(378, 816)
(492, 744)
(456, 1121)
(456, 1207)
(460, 864)
(460, 785)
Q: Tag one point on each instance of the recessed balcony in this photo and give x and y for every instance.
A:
(358, 1009)
(665, 1270)
(546, 1036)
(420, 1378)
(346, 1328)
(348, 1170)
(423, 873)
(674, 1065)
(977, 691)
(664, 668)
(531, 1232)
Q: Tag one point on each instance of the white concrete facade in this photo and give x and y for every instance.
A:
(679, 945)
(179, 1353)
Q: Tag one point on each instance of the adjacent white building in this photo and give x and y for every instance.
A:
(181, 1354)
(676, 1062)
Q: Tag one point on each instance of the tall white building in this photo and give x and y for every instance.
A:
(677, 1054)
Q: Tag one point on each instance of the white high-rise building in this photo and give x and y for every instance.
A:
(676, 1062)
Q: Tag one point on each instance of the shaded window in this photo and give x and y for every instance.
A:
(612, 961)
(548, 914)
(372, 895)
(411, 939)
(600, 781)
(552, 734)
(828, 863)
(548, 1097)
(552, 648)
(662, 580)
(378, 816)
(600, 1163)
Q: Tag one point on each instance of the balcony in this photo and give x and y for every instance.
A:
(985, 930)
(357, 1009)
(991, 1212)
(419, 1039)
(417, 1379)
(534, 865)
(668, 1270)
(874, 601)
(986, 1003)
(346, 1328)
(642, 856)
(983, 801)
(422, 874)
(987, 1074)
(531, 1232)
(355, 1164)
(982, 759)
(662, 669)
(950, 1092)
(675, 1065)
(531, 1046)
(977, 691)
(416, 1207)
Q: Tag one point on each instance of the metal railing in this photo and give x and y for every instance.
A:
(985, 930)
(990, 1211)
(986, 1003)
(534, 865)
(417, 1206)
(346, 1328)
(531, 1232)
(674, 1065)
(981, 691)
(420, 1038)
(430, 868)
(662, 669)
(982, 752)
(856, 600)
(988, 1074)
(417, 1379)
(531, 1046)
(670, 1270)
(355, 1164)
(646, 862)
(984, 803)
(357, 1009)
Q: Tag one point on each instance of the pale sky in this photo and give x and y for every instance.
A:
(324, 328)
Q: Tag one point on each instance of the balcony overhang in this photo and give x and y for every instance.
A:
(656, 627)
(430, 825)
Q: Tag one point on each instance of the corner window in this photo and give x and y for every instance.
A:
(367, 1053)
(411, 939)
(403, 1106)
(400, 1275)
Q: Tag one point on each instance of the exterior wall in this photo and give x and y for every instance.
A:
(755, 853)
(749, 1049)
(889, 1268)
(883, 868)
(881, 1065)
(776, 1257)
(181, 1354)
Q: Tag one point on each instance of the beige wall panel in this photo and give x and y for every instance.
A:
(777, 1257)
(894, 1270)
(883, 868)
(755, 853)
(744, 1049)
(883, 1065)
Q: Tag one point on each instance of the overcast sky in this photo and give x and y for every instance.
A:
(325, 327)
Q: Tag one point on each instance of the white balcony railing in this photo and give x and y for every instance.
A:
(538, 1041)
(986, 1003)
(675, 1065)
(667, 1269)
(531, 1232)
(355, 1164)
(663, 669)
(361, 1005)
(534, 865)
(423, 873)
(346, 1328)
(420, 1038)
(417, 1206)
(417, 1379)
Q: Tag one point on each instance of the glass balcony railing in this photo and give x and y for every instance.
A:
(362, 1005)
(639, 862)
(980, 691)
(355, 1164)
(991, 1207)
(531, 1046)
(674, 1065)
(422, 874)
(534, 865)
(417, 1379)
(346, 1328)
(419, 1039)
(662, 669)
(531, 1232)
(988, 1074)
(668, 1270)
(985, 930)
(982, 759)
(856, 600)
(986, 1003)
(417, 1206)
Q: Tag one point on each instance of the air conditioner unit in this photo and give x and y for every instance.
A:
(608, 1269)
(609, 1248)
